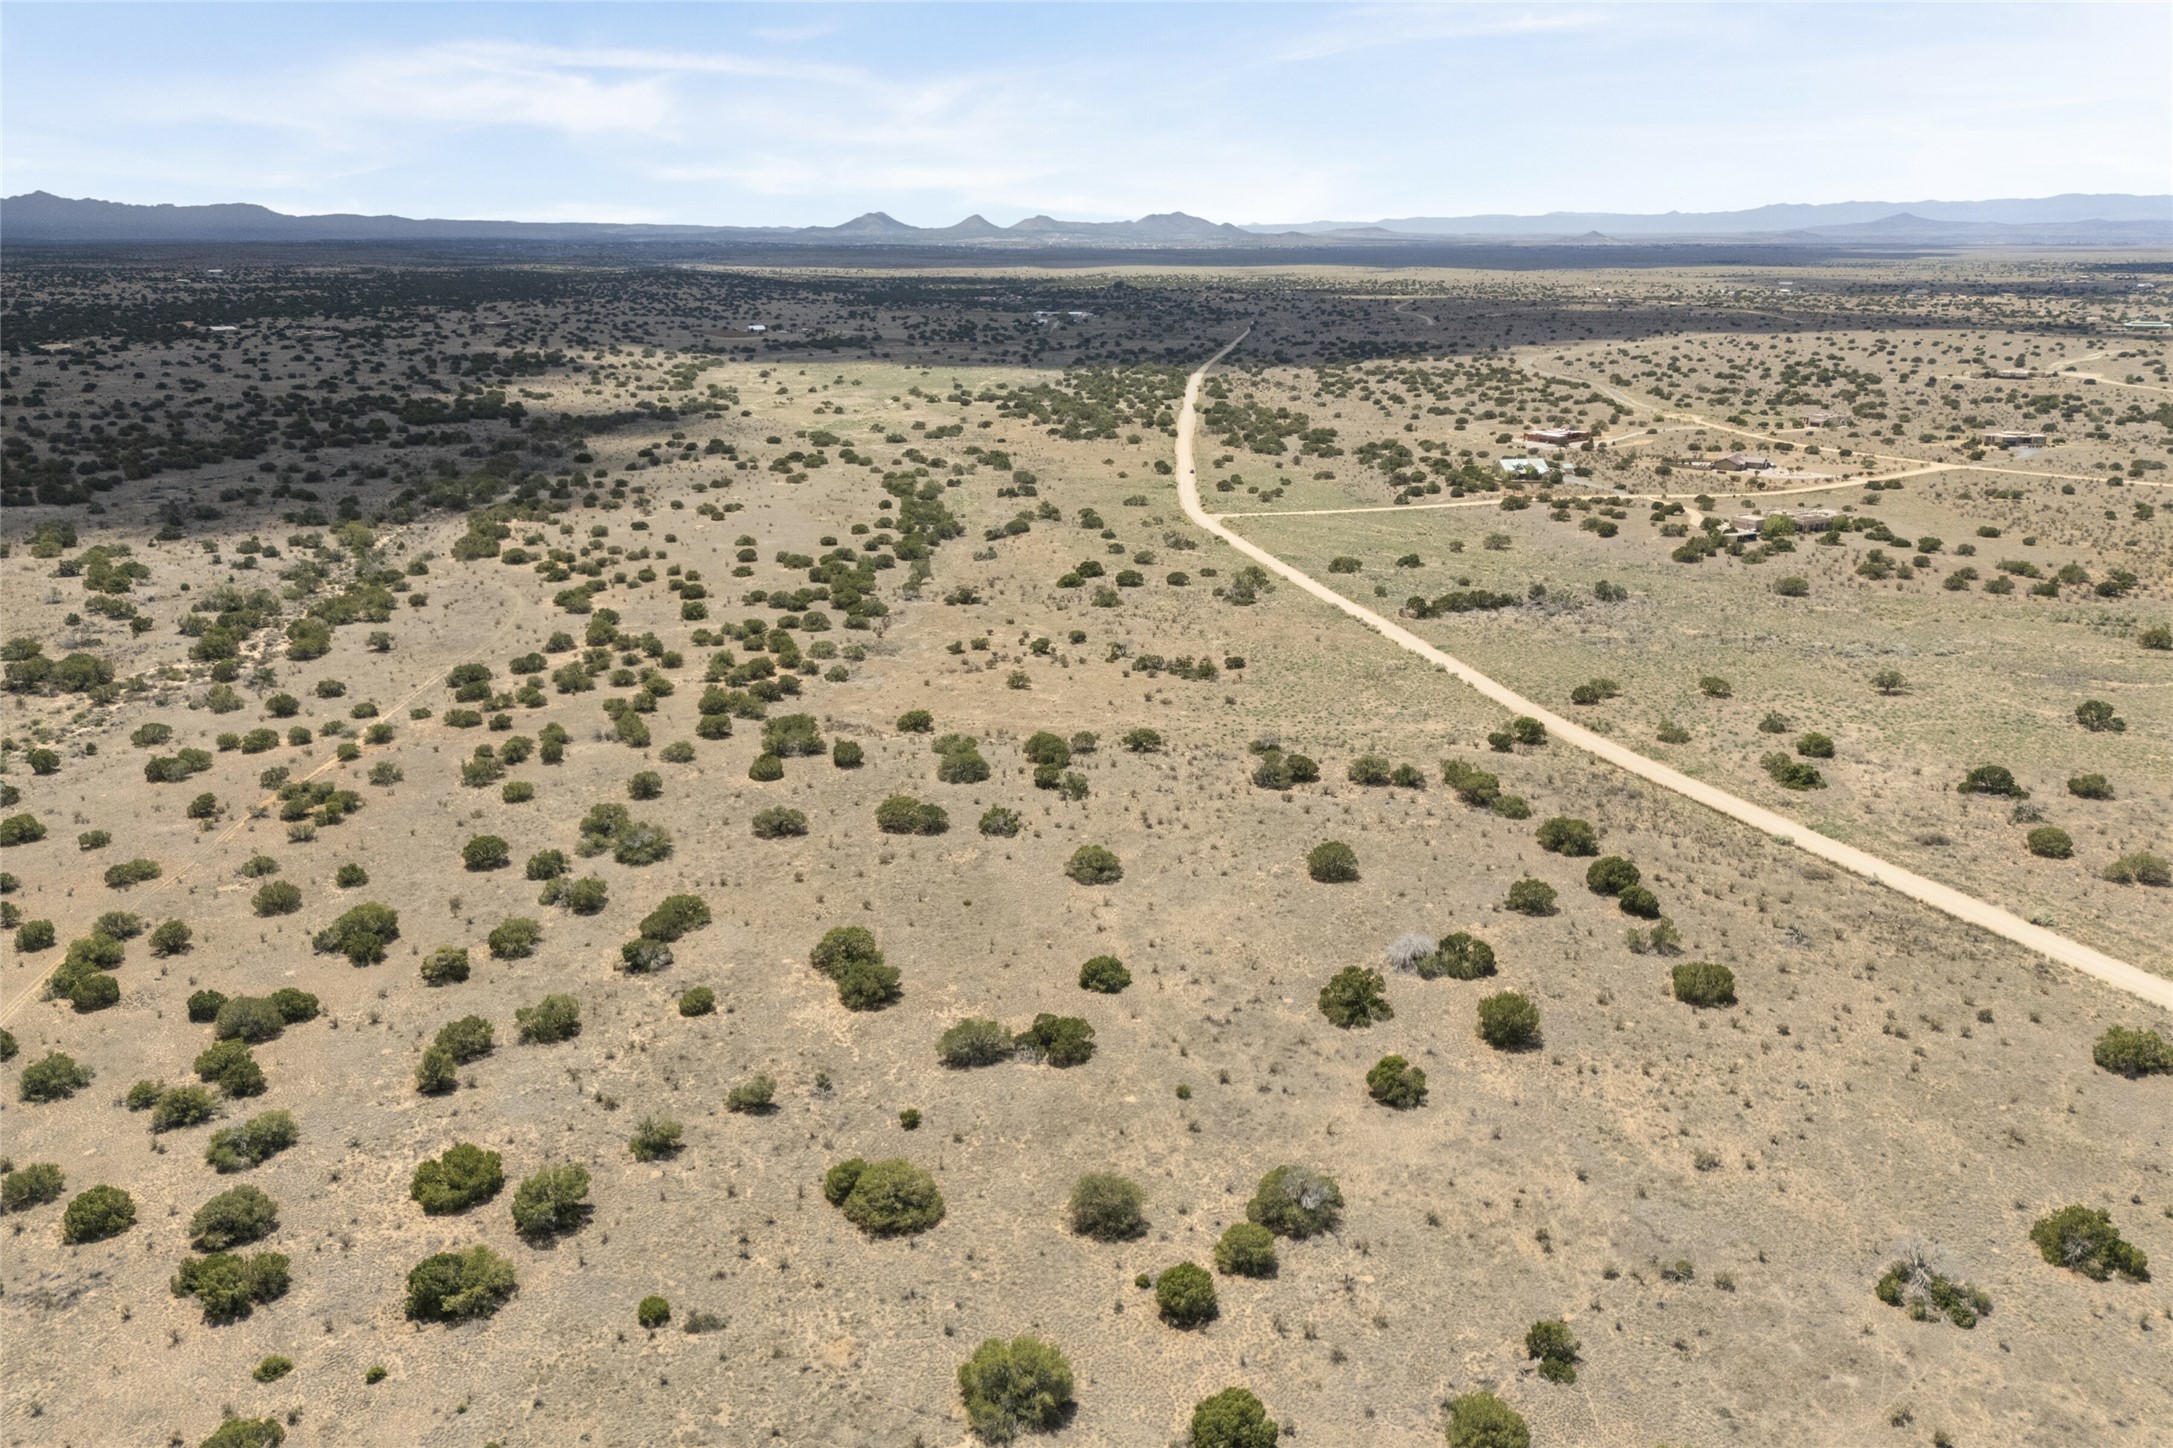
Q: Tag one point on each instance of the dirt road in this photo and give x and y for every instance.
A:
(2141, 984)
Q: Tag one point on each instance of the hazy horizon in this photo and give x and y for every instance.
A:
(810, 114)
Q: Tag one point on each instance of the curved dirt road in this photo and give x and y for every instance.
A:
(2157, 990)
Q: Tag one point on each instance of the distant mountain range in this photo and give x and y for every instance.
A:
(40, 218)
(1962, 218)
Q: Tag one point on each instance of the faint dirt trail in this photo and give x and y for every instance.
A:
(2157, 990)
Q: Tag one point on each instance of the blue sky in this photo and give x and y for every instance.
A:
(799, 114)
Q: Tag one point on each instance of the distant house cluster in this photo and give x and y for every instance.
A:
(1746, 526)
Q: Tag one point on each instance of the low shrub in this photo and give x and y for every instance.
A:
(514, 938)
(1000, 823)
(1094, 865)
(230, 1066)
(2140, 868)
(1246, 1249)
(778, 823)
(2084, 1240)
(1332, 863)
(1356, 997)
(902, 814)
(233, 1218)
(255, 1141)
(554, 1018)
(845, 754)
(653, 1312)
(2049, 842)
(586, 896)
(1232, 1418)
(1020, 1386)
(229, 1286)
(1702, 983)
(1104, 974)
(656, 1137)
(1295, 1202)
(751, 1097)
(1531, 897)
(675, 916)
(459, 1286)
(1396, 1083)
(31, 1186)
(1792, 773)
(1611, 875)
(276, 898)
(1107, 1207)
(132, 872)
(247, 1433)
(1508, 1021)
(467, 1039)
(1994, 779)
(553, 1201)
(1551, 1344)
(182, 1106)
(1639, 902)
(1927, 1296)
(974, 1042)
(1564, 836)
(1185, 1294)
(1461, 956)
(1481, 1420)
(1059, 1040)
(447, 965)
(2133, 1053)
(249, 1018)
(2090, 786)
(54, 1077)
(96, 1214)
(361, 934)
(791, 734)
(698, 1001)
(884, 1198)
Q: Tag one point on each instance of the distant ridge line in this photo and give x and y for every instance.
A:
(41, 218)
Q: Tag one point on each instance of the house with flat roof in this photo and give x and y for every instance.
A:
(1738, 462)
(1557, 436)
(1525, 467)
(2014, 439)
